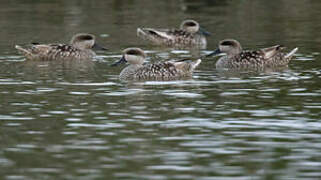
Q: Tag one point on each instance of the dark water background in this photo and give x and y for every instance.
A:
(78, 121)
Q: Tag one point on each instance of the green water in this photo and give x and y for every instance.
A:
(78, 121)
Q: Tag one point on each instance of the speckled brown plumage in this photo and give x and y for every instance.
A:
(236, 58)
(158, 71)
(80, 48)
(58, 52)
(181, 37)
(187, 36)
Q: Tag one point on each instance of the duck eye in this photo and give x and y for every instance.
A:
(190, 24)
(132, 52)
(85, 37)
(227, 43)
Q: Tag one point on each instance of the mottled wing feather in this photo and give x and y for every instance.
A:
(63, 50)
(247, 59)
(55, 51)
(42, 48)
(182, 37)
(250, 59)
(174, 37)
(161, 70)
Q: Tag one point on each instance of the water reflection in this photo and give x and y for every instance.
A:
(77, 70)
(76, 120)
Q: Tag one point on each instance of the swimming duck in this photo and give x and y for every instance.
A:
(190, 34)
(81, 47)
(236, 58)
(159, 71)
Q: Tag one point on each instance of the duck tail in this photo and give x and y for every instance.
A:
(23, 51)
(290, 54)
(140, 32)
(149, 33)
(272, 51)
(187, 67)
(194, 64)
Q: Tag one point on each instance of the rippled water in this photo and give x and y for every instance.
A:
(76, 120)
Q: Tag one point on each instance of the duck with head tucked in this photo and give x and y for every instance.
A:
(236, 58)
(190, 34)
(168, 70)
(81, 47)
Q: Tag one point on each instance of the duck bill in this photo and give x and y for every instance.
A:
(98, 47)
(204, 32)
(215, 53)
(121, 61)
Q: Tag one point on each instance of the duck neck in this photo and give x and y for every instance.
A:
(234, 52)
(129, 71)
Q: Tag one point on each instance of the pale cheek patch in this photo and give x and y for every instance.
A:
(133, 59)
(192, 29)
(89, 43)
(224, 48)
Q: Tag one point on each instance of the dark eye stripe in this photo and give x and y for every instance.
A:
(227, 43)
(133, 52)
(190, 24)
(85, 37)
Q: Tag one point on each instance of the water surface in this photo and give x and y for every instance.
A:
(76, 120)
